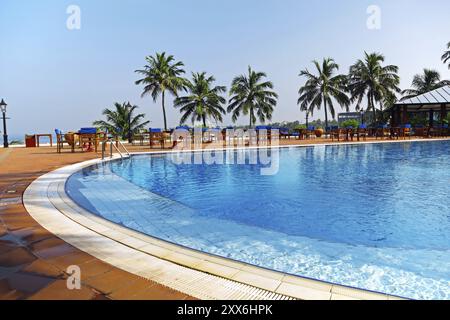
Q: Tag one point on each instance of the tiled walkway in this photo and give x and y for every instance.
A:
(33, 262)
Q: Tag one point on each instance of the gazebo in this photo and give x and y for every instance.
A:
(430, 103)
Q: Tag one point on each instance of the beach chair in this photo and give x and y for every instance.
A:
(362, 131)
(60, 140)
(228, 138)
(156, 137)
(406, 131)
(215, 134)
(382, 132)
(439, 131)
(181, 134)
(419, 131)
(88, 138)
(138, 138)
(445, 130)
(260, 136)
(340, 134)
(284, 133)
(310, 132)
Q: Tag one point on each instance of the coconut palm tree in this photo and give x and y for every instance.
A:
(203, 100)
(309, 111)
(369, 78)
(162, 74)
(323, 88)
(122, 121)
(446, 55)
(252, 95)
(422, 83)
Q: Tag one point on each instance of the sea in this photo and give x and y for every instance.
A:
(20, 139)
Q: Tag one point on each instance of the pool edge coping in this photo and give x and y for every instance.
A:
(279, 283)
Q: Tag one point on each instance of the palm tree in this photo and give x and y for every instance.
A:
(203, 100)
(309, 109)
(251, 95)
(323, 88)
(446, 55)
(122, 121)
(368, 78)
(161, 74)
(423, 83)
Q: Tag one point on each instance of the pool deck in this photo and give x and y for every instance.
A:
(34, 261)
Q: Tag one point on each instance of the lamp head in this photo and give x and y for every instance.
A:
(3, 106)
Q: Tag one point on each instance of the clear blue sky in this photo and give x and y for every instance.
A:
(52, 77)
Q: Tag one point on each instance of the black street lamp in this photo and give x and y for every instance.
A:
(5, 133)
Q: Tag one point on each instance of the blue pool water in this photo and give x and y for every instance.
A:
(371, 216)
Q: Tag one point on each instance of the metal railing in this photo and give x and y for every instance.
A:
(114, 145)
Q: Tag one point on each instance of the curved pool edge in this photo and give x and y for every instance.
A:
(199, 274)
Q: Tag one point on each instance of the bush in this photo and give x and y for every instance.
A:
(447, 120)
(15, 142)
(419, 120)
(350, 123)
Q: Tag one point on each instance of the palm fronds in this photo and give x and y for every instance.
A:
(429, 80)
(253, 96)
(369, 79)
(323, 88)
(122, 121)
(162, 74)
(203, 101)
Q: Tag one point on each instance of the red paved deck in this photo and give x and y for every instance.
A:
(33, 262)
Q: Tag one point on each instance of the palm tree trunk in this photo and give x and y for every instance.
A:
(370, 107)
(204, 120)
(326, 115)
(373, 106)
(164, 110)
(251, 117)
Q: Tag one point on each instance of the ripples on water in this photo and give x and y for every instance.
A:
(374, 216)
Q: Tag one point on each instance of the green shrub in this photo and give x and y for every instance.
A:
(15, 142)
(419, 120)
(350, 123)
(447, 119)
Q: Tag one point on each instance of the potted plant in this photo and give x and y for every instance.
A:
(318, 132)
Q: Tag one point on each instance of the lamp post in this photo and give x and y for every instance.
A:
(5, 133)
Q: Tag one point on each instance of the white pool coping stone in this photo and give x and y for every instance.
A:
(192, 272)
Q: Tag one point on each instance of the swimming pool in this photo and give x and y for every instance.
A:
(372, 216)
